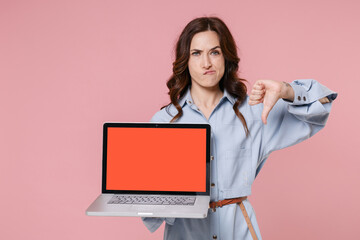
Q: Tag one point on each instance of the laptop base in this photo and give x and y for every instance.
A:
(100, 207)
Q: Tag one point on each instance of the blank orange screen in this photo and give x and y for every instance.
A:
(156, 159)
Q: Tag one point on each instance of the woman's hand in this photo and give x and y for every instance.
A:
(269, 92)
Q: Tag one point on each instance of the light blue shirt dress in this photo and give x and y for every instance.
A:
(238, 159)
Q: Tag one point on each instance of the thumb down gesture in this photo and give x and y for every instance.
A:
(269, 92)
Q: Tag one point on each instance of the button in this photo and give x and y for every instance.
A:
(299, 98)
(212, 158)
(190, 102)
(212, 185)
(304, 98)
(214, 237)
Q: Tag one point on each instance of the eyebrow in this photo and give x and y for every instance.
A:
(197, 50)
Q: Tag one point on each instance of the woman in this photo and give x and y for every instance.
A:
(205, 87)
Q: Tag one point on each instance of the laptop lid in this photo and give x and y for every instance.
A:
(156, 158)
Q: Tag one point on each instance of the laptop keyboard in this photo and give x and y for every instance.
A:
(152, 200)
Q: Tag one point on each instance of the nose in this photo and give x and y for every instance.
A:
(206, 61)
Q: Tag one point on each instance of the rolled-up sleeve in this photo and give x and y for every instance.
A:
(152, 224)
(292, 122)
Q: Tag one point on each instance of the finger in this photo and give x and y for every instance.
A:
(258, 86)
(251, 102)
(255, 91)
(256, 94)
(265, 114)
(324, 100)
(255, 97)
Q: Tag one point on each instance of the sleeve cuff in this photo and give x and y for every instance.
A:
(170, 221)
(300, 95)
(152, 224)
(307, 91)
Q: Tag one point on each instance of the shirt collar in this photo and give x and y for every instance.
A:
(188, 99)
(229, 97)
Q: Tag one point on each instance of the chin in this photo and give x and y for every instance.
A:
(207, 83)
(210, 85)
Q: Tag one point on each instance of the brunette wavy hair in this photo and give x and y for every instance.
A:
(180, 80)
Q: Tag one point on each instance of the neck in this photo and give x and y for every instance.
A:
(206, 97)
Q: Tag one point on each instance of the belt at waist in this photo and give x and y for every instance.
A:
(224, 202)
(238, 201)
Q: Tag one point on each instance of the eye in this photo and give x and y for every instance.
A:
(215, 53)
(195, 53)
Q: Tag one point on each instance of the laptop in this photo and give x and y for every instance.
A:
(154, 170)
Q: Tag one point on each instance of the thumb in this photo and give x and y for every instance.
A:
(265, 113)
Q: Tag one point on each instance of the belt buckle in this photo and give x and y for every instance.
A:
(216, 206)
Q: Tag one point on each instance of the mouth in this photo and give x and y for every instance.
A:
(209, 72)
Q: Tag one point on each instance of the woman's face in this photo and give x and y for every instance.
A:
(206, 63)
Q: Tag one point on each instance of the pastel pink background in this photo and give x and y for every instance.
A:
(68, 66)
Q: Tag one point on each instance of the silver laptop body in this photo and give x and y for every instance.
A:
(154, 170)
